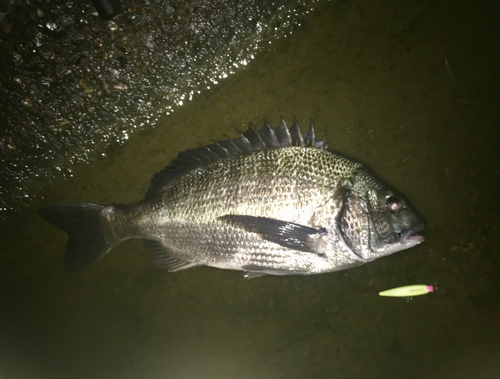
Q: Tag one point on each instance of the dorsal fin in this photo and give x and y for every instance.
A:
(296, 134)
(309, 138)
(283, 134)
(268, 136)
(251, 140)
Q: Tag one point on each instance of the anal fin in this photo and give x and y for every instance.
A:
(162, 258)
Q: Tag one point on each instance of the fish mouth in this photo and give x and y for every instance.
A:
(410, 234)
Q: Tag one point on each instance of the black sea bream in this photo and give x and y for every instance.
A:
(269, 202)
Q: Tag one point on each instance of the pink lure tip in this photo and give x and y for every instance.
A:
(430, 289)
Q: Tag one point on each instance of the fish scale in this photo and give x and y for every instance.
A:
(269, 202)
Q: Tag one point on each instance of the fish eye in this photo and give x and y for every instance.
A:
(393, 204)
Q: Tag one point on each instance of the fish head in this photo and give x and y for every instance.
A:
(378, 221)
(394, 223)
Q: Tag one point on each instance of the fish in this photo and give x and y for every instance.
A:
(270, 202)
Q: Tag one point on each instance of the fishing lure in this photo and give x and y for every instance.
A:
(408, 291)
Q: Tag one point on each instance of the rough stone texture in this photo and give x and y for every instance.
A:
(73, 85)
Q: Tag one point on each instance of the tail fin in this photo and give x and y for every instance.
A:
(90, 235)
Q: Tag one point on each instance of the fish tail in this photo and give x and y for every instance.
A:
(89, 229)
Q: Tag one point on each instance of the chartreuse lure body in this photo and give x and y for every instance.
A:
(408, 291)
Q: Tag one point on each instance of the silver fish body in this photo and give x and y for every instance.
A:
(270, 202)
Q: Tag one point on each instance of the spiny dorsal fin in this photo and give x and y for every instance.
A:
(254, 137)
(296, 134)
(283, 134)
(251, 140)
(268, 136)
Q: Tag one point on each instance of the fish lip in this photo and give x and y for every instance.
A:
(410, 234)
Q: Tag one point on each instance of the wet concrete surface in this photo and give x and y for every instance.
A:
(73, 86)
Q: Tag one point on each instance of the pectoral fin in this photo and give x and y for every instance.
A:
(283, 233)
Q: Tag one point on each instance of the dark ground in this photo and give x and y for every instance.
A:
(410, 88)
